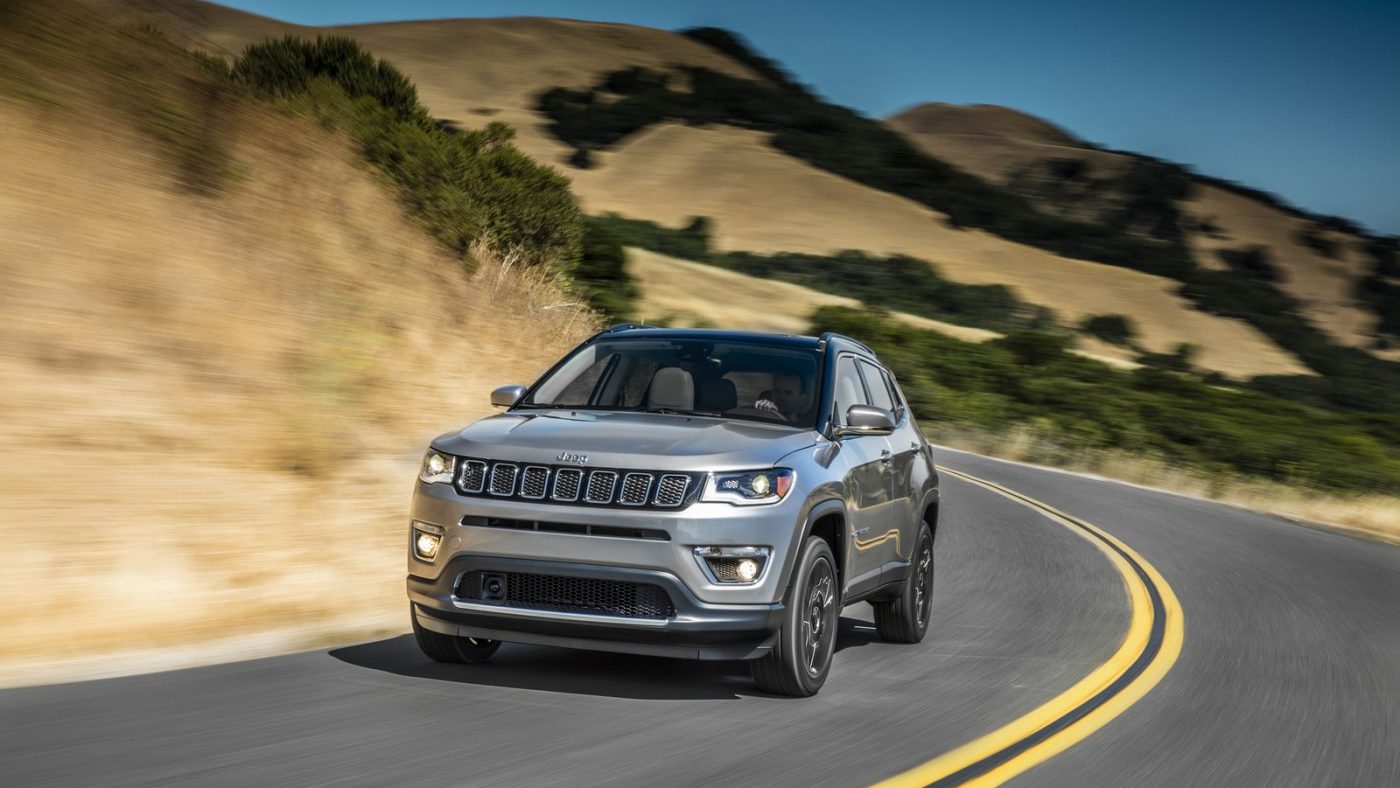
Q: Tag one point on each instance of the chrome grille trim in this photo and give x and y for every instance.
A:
(671, 489)
(635, 487)
(595, 492)
(472, 478)
(503, 478)
(534, 482)
(570, 479)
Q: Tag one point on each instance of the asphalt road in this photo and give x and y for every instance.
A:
(1289, 675)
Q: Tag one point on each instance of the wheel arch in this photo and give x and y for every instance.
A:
(827, 520)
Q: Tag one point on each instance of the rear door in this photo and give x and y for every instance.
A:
(865, 460)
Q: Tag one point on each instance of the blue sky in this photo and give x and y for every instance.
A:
(1298, 98)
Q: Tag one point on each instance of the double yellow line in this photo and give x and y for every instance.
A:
(1149, 649)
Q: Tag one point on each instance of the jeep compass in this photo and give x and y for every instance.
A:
(684, 493)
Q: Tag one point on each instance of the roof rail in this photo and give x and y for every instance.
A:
(626, 327)
(830, 335)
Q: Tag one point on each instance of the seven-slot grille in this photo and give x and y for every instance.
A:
(575, 594)
(554, 484)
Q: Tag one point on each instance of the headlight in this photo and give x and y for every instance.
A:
(748, 487)
(437, 468)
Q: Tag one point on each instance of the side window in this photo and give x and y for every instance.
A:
(848, 390)
(899, 404)
(879, 391)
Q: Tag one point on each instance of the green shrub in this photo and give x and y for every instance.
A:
(894, 283)
(1311, 236)
(1114, 329)
(468, 188)
(1252, 262)
(841, 141)
(602, 274)
(285, 67)
(1032, 380)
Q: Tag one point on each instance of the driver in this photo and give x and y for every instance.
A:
(786, 399)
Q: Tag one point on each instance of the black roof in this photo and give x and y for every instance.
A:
(727, 335)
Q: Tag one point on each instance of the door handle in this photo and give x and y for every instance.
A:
(885, 456)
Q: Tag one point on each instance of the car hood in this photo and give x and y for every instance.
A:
(628, 440)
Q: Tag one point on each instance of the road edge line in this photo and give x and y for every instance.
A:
(952, 767)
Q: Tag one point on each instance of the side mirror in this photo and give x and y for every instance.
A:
(866, 420)
(506, 396)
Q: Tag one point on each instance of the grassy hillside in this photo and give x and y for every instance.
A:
(223, 341)
(1322, 260)
(1027, 379)
(1139, 223)
(762, 200)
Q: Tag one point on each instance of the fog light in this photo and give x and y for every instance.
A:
(747, 570)
(427, 540)
(427, 545)
(731, 565)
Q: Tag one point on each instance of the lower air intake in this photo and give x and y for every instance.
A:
(565, 594)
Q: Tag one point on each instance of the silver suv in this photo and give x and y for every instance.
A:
(683, 493)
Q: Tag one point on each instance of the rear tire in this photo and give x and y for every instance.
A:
(448, 648)
(801, 657)
(904, 619)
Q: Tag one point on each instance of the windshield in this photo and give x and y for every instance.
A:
(742, 380)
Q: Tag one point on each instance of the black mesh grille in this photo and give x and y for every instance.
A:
(575, 594)
(473, 476)
(566, 484)
(600, 486)
(670, 491)
(503, 478)
(534, 481)
(634, 488)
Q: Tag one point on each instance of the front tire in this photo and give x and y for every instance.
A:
(904, 619)
(801, 658)
(448, 648)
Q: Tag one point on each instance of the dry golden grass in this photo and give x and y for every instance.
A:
(214, 406)
(1323, 286)
(994, 122)
(1376, 516)
(476, 70)
(684, 293)
(765, 201)
(992, 142)
(469, 71)
(995, 142)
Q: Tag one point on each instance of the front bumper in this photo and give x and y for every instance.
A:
(460, 519)
(698, 630)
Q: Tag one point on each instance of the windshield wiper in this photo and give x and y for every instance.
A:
(675, 412)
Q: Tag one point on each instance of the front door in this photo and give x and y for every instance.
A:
(904, 446)
(865, 460)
